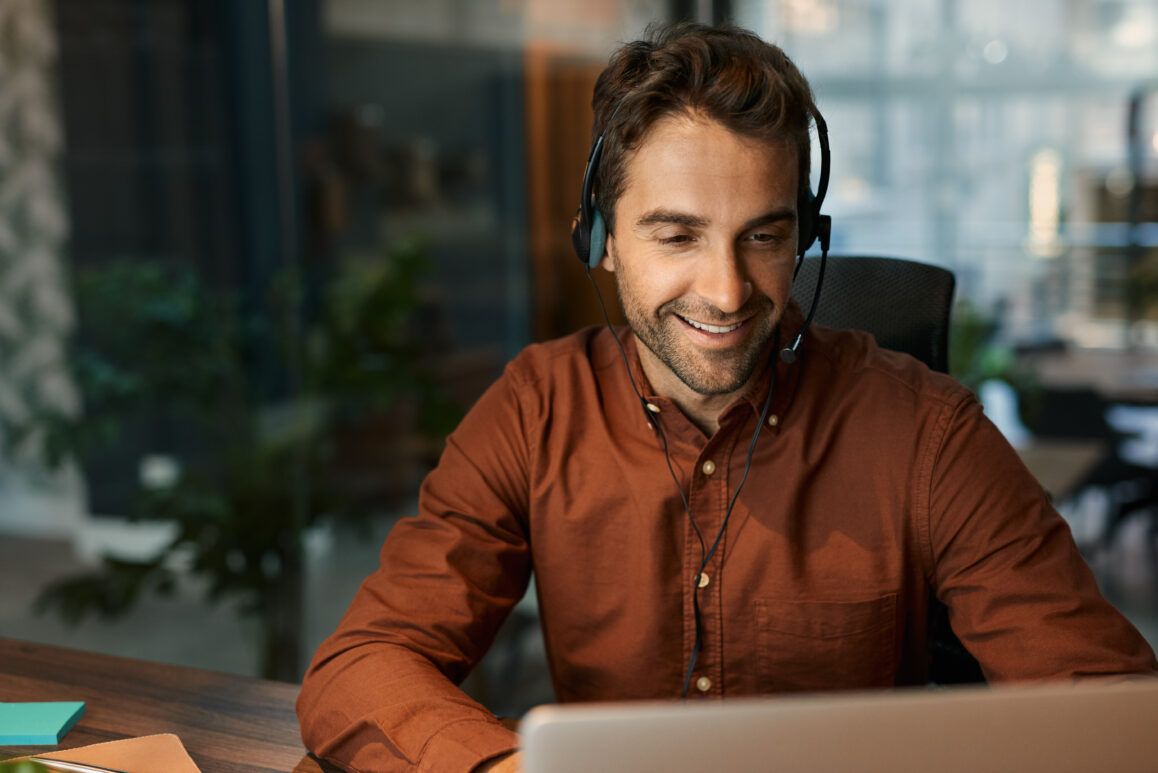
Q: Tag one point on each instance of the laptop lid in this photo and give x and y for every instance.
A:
(1087, 727)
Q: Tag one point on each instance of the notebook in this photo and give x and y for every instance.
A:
(1056, 727)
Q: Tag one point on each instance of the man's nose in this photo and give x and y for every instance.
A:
(722, 280)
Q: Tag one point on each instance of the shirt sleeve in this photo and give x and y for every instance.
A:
(1020, 596)
(381, 693)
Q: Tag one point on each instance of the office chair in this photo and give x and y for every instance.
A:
(905, 305)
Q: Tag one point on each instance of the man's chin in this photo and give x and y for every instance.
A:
(717, 375)
(709, 372)
(713, 390)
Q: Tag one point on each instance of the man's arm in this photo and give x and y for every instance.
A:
(1020, 596)
(381, 693)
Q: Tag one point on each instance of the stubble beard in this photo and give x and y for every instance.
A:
(706, 372)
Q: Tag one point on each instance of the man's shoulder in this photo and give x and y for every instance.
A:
(855, 358)
(583, 351)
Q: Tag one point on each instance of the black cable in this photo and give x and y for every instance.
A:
(697, 646)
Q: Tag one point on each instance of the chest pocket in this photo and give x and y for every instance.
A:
(826, 645)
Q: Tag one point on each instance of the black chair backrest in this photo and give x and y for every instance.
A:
(904, 304)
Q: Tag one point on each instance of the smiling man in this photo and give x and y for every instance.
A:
(704, 518)
(704, 264)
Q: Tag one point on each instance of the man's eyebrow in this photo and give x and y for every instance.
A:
(667, 216)
(671, 217)
(774, 216)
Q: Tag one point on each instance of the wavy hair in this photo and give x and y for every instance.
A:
(724, 73)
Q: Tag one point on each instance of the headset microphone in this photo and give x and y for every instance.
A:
(824, 233)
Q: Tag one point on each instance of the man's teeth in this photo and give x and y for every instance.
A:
(712, 328)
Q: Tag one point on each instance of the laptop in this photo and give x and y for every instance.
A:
(1056, 727)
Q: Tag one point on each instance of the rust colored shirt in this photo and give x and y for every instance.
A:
(875, 485)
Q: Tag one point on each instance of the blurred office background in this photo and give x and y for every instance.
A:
(257, 257)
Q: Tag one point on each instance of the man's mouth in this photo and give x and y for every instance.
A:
(712, 328)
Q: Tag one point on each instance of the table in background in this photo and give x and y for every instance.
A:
(228, 723)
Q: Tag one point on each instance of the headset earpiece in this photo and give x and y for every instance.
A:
(589, 234)
(580, 237)
(598, 239)
(589, 240)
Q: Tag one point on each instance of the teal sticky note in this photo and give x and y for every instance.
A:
(33, 724)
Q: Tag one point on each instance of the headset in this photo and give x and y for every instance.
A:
(589, 234)
(589, 237)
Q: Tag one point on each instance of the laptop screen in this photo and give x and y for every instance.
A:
(1055, 727)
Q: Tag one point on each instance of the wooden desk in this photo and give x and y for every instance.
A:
(231, 724)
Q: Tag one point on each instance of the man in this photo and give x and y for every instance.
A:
(705, 518)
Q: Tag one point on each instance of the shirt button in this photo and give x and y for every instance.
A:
(703, 684)
(773, 420)
(653, 407)
(704, 580)
(709, 467)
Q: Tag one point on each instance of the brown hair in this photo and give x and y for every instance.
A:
(724, 73)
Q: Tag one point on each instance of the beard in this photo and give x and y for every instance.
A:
(707, 372)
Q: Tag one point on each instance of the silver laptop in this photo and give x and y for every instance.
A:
(1090, 727)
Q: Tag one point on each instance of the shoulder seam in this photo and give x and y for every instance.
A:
(925, 482)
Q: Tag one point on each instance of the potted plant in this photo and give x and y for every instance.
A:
(252, 474)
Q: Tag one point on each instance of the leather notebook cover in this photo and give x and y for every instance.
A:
(162, 753)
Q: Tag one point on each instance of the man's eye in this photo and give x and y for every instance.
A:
(675, 241)
(766, 238)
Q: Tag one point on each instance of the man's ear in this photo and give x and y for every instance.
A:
(607, 262)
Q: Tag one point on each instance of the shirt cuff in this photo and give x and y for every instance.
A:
(462, 746)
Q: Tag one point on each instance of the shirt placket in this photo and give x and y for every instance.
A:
(708, 498)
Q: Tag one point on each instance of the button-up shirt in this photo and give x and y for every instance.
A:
(875, 486)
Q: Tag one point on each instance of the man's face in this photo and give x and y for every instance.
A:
(703, 251)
